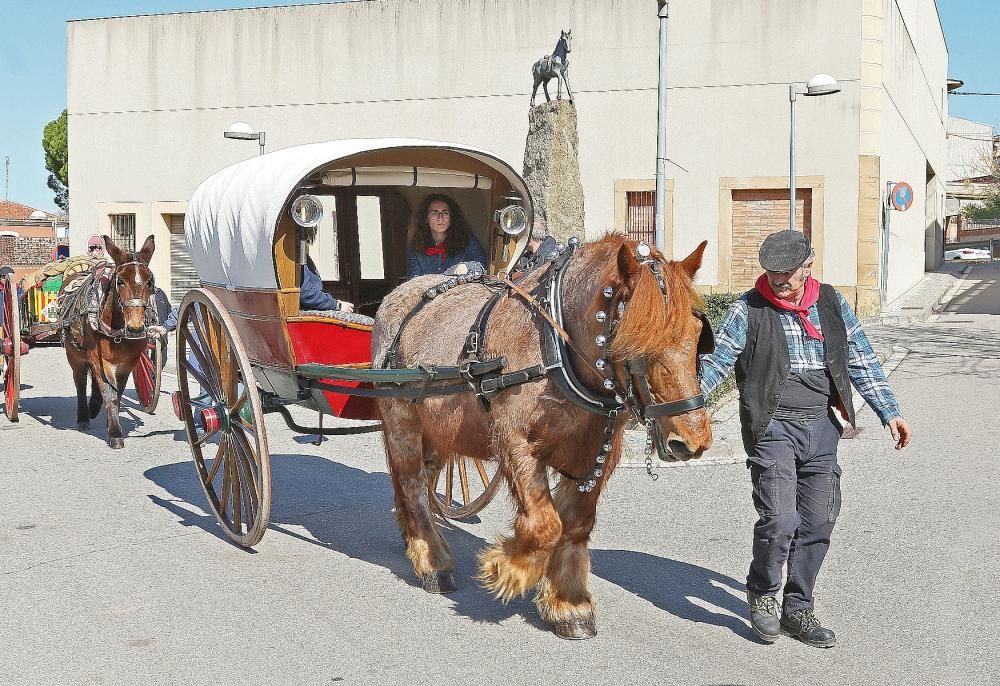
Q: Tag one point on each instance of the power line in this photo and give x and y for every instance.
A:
(971, 93)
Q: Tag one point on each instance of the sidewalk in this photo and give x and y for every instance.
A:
(931, 294)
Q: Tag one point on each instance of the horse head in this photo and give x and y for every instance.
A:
(567, 37)
(131, 285)
(657, 332)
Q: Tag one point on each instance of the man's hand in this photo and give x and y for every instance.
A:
(155, 332)
(346, 306)
(900, 431)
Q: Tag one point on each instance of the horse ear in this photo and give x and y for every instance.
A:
(113, 250)
(628, 265)
(692, 263)
(146, 253)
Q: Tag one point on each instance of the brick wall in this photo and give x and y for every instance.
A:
(757, 213)
(27, 251)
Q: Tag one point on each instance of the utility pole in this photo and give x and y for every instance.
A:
(661, 126)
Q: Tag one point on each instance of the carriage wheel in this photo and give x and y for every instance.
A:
(221, 410)
(146, 376)
(10, 347)
(465, 485)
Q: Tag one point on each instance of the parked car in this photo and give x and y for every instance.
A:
(967, 254)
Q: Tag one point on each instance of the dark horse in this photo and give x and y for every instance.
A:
(632, 319)
(554, 66)
(104, 315)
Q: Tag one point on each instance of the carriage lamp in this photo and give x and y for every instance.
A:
(307, 212)
(512, 218)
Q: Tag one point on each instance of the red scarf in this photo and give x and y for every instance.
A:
(438, 249)
(809, 298)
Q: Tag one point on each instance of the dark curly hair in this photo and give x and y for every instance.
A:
(458, 231)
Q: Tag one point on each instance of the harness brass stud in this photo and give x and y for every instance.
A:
(600, 364)
(574, 241)
(606, 447)
(601, 341)
(608, 291)
(601, 315)
(609, 384)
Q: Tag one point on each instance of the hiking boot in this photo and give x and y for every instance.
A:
(764, 616)
(805, 626)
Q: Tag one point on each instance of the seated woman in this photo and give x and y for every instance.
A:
(313, 297)
(441, 240)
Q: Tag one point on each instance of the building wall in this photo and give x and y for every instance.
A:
(913, 137)
(149, 98)
(970, 145)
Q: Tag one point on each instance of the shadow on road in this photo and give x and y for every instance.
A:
(980, 298)
(345, 510)
(60, 413)
(673, 586)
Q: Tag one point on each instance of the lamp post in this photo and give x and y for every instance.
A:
(661, 126)
(242, 131)
(820, 84)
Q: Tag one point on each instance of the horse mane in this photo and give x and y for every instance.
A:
(650, 322)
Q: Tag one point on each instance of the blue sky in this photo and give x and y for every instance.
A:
(33, 70)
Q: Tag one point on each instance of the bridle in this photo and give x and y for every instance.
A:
(634, 396)
(149, 312)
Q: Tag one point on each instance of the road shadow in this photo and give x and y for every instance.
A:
(60, 413)
(345, 510)
(671, 585)
(979, 298)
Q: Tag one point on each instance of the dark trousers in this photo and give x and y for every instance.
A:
(796, 490)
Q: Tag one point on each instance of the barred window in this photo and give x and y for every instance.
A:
(123, 231)
(640, 217)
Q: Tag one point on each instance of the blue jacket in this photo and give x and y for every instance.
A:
(311, 295)
(419, 262)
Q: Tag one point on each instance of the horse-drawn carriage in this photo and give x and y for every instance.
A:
(31, 318)
(538, 375)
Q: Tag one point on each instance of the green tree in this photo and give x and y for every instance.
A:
(54, 144)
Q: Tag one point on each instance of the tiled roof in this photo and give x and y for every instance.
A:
(15, 210)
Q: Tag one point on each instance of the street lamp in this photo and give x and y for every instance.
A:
(242, 131)
(820, 84)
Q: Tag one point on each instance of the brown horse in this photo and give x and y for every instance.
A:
(106, 339)
(634, 329)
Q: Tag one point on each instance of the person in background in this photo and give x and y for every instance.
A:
(797, 348)
(95, 248)
(540, 246)
(441, 240)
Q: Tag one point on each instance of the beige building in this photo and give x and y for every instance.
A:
(150, 96)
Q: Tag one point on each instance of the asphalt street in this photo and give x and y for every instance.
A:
(112, 572)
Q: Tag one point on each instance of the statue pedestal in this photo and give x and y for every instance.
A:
(552, 168)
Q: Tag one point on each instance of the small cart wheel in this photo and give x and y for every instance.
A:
(220, 406)
(464, 486)
(146, 376)
(10, 347)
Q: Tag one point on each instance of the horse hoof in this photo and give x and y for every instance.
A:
(576, 629)
(439, 582)
(116, 443)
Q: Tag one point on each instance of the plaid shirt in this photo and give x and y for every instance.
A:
(804, 354)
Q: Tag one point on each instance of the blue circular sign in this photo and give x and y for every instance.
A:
(901, 196)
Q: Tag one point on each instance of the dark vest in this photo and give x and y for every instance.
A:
(763, 366)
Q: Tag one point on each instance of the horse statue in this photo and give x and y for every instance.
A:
(104, 314)
(554, 66)
(607, 329)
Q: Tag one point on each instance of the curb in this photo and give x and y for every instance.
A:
(938, 305)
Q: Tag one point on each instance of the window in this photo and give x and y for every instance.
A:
(123, 231)
(370, 236)
(640, 216)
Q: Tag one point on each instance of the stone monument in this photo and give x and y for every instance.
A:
(551, 163)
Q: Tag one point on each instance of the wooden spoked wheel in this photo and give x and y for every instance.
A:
(221, 410)
(146, 376)
(10, 347)
(464, 486)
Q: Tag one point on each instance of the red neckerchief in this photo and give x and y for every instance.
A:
(809, 298)
(438, 249)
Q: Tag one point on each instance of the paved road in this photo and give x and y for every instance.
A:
(112, 573)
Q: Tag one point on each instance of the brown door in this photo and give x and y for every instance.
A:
(757, 213)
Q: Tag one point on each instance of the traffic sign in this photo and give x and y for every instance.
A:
(901, 196)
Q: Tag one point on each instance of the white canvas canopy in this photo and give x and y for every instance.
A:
(233, 214)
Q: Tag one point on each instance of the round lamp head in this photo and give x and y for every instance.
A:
(241, 131)
(512, 219)
(307, 211)
(822, 84)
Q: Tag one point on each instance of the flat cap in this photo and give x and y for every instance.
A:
(784, 251)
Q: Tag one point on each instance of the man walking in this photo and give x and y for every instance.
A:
(797, 347)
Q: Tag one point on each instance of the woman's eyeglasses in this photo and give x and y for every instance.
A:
(94, 248)
(439, 214)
